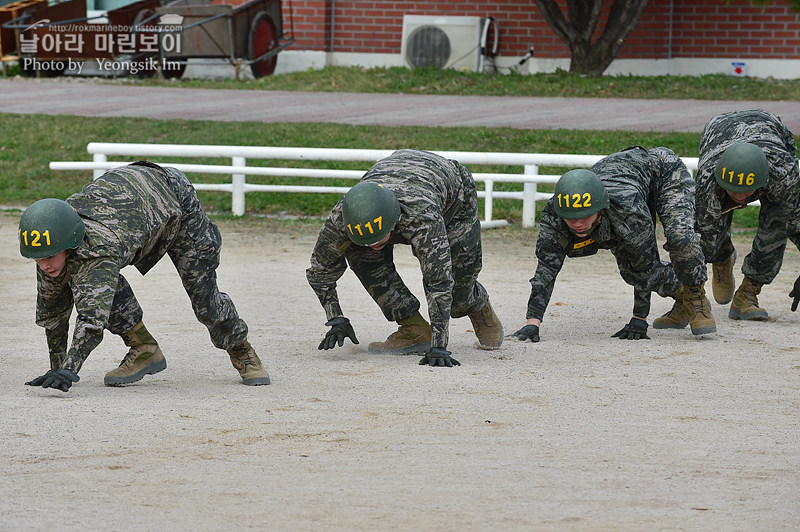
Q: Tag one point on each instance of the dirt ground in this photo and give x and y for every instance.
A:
(578, 432)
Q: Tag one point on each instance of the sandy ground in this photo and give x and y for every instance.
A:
(578, 432)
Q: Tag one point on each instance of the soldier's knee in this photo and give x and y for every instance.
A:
(682, 241)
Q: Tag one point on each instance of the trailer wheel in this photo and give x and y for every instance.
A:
(263, 38)
(173, 69)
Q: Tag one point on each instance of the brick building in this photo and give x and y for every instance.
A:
(673, 37)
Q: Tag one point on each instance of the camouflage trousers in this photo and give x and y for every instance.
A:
(764, 261)
(195, 253)
(672, 203)
(377, 272)
(673, 206)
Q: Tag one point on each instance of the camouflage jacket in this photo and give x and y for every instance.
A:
(770, 134)
(626, 228)
(429, 189)
(131, 216)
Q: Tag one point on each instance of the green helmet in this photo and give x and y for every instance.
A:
(579, 193)
(47, 227)
(742, 167)
(370, 212)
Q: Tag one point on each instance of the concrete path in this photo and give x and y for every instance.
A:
(87, 97)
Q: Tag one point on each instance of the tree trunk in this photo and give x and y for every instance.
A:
(591, 58)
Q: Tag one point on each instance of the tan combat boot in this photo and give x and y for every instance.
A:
(144, 358)
(722, 281)
(413, 336)
(247, 363)
(487, 327)
(676, 318)
(698, 310)
(745, 302)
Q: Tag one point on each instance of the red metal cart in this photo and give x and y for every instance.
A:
(250, 34)
(159, 38)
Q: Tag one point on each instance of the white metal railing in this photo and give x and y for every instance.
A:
(238, 169)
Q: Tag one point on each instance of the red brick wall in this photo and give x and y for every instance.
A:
(309, 22)
(713, 29)
(700, 28)
(377, 26)
(650, 39)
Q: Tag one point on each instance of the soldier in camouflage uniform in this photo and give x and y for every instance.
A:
(614, 206)
(132, 215)
(430, 203)
(747, 156)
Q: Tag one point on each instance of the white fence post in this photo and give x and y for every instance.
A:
(489, 188)
(529, 191)
(237, 181)
(99, 158)
(238, 155)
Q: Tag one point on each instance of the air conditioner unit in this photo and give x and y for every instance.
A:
(443, 42)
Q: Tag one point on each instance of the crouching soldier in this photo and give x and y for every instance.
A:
(423, 200)
(615, 206)
(132, 215)
(747, 156)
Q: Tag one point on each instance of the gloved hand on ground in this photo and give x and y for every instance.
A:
(636, 329)
(529, 332)
(340, 329)
(61, 379)
(438, 356)
(795, 293)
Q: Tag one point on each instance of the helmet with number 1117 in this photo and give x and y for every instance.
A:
(370, 212)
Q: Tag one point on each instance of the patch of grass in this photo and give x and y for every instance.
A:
(453, 82)
(746, 217)
(29, 142)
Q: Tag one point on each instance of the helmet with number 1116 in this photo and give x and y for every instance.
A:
(742, 168)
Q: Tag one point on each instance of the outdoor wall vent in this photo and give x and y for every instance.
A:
(442, 42)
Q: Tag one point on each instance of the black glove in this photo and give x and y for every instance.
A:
(439, 356)
(529, 332)
(61, 379)
(340, 329)
(795, 293)
(636, 329)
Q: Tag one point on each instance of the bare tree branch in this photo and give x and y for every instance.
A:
(580, 24)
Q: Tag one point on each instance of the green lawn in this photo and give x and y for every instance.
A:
(433, 81)
(29, 142)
